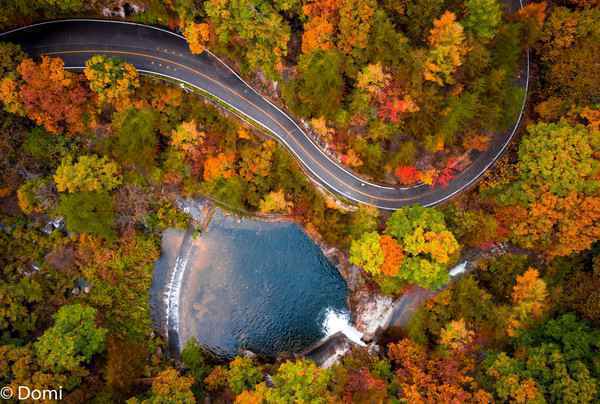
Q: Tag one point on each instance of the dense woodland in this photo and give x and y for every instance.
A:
(400, 91)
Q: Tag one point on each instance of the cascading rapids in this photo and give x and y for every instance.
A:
(339, 321)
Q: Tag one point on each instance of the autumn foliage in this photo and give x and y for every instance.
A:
(49, 95)
(529, 298)
(425, 378)
(320, 27)
(197, 36)
(111, 79)
(219, 166)
(392, 255)
(447, 51)
(407, 175)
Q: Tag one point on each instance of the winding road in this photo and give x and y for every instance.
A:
(159, 52)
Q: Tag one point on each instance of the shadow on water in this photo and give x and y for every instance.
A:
(245, 284)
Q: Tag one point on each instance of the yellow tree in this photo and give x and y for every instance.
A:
(197, 36)
(372, 78)
(558, 181)
(255, 162)
(112, 79)
(447, 49)
(456, 336)
(186, 145)
(275, 201)
(88, 174)
(355, 24)
(169, 387)
(9, 95)
(529, 299)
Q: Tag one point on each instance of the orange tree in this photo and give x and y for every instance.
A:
(48, 95)
(554, 204)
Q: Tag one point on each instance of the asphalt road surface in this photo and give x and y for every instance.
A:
(159, 52)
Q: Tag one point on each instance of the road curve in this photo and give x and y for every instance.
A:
(163, 53)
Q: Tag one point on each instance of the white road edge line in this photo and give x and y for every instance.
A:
(325, 183)
(228, 68)
(450, 195)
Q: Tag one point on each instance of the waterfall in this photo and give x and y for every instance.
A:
(173, 289)
(459, 269)
(336, 321)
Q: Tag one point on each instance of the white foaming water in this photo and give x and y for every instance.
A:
(340, 322)
(173, 290)
(459, 269)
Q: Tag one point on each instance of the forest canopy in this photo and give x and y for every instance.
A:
(405, 92)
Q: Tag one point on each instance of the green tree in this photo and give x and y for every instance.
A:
(557, 359)
(123, 296)
(16, 302)
(581, 291)
(559, 156)
(483, 18)
(88, 212)
(36, 196)
(11, 56)
(253, 27)
(364, 220)
(472, 227)
(73, 339)
(318, 89)
(386, 45)
(125, 362)
(63, 5)
(463, 299)
(13, 10)
(429, 246)
(228, 191)
(196, 361)
(136, 143)
(499, 274)
(45, 148)
(243, 374)
(419, 15)
(300, 381)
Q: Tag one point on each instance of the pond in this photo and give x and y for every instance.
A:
(245, 284)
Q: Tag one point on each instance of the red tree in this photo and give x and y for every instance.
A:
(407, 175)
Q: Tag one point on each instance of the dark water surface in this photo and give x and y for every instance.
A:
(249, 284)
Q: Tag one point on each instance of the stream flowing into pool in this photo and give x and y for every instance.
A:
(247, 284)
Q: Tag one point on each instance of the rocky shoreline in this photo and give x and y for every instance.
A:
(368, 308)
(371, 314)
